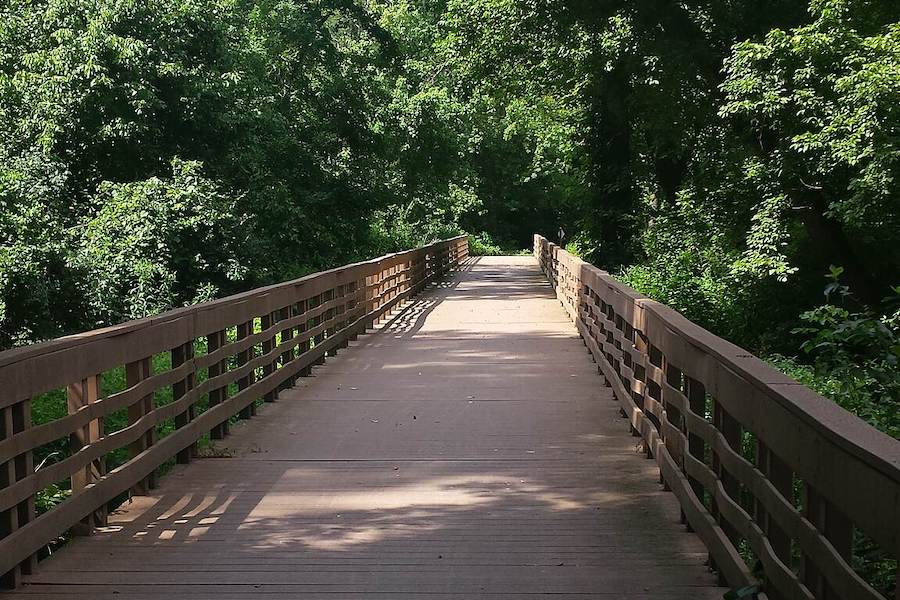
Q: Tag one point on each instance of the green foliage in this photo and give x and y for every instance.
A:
(396, 229)
(280, 104)
(482, 245)
(822, 102)
(49, 497)
(718, 156)
(474, 97)
(688, 267)
(160, 243)
(855, 353)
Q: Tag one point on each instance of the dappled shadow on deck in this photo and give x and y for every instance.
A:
(456, 529)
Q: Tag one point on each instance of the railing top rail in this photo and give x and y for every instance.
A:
(14, 355)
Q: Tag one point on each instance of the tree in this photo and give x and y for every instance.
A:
(821, 103)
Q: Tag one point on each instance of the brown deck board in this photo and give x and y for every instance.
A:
(468, 449)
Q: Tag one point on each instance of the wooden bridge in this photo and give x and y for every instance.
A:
(429, 425)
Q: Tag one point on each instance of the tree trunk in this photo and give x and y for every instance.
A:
(829, 237)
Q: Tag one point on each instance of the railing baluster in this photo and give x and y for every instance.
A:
(305, 345)
(267, 321)
(80, 395)
(135, 372)
(180, 355)
(16, 419)
(214, 341)
(245, 330)
(780, 476)
(288, 334)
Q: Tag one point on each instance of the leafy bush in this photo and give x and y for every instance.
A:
(855, 354)
(481, 244)
(688, 264)
(160, 243)
(395, 229)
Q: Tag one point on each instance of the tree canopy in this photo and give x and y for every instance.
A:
(722, 157)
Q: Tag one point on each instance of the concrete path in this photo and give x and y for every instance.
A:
(468, 449)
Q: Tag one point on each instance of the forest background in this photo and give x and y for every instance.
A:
(736, 160)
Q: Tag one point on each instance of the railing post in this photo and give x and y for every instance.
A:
(214, 341)
(781, 477)
(245, 330)
(391, 288)
(814, 511)
(355, 286)
(376, 300)
(836, 528)
(369, 301)
(407, 274)
(421, 275)
(671, 414)
(731, 430)
(180, 355)
(16, 419)
(288, 334)
(330, 313)
(135, 372)
(318, 339)
(340, 311)
(305, 345)
(80, 395)
(696, 395)
(423, 271)
(267, 321)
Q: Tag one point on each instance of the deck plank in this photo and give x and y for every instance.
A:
(467, 449)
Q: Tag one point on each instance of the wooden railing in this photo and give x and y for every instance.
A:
(208, 363)
(782, 485)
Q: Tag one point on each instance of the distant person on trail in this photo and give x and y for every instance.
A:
(562, 237)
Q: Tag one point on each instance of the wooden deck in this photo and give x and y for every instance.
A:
(467, 449)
